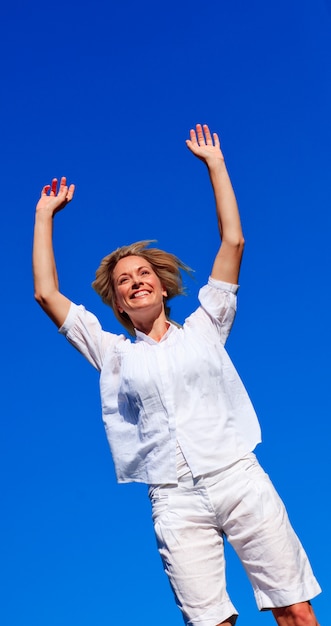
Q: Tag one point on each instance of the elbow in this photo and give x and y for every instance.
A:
(238, 248)
(233, 237)
(237, 243)
(37, 293)
(233, 247)
(43, 298)
(240, 243)
(40, 299)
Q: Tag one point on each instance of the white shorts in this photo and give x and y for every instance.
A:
(241, 504)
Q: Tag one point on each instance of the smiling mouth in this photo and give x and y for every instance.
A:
(140, 294)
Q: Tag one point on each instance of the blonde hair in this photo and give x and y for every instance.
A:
(165, 265)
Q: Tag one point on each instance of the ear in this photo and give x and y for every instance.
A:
(164, 292)
(119, 308)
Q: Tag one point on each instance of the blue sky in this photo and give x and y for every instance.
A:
(105, 93)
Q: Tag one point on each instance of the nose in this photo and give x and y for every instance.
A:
(136, 283)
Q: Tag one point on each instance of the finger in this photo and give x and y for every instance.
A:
(208, 136)
(200, 135)
(63, 189)
(217, 142)
(70, 193)
(53, 187)
(45, 190)
(189, 144)
(193, 136)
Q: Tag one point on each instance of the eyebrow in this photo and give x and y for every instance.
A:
(141, 267)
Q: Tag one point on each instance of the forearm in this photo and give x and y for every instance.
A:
(44, 268)
(228, 259)
(46, 284)
(207, 148)
(226, 204)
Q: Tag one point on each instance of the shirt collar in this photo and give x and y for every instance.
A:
(140, 336)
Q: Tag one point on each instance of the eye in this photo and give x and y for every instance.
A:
(145, 271)
(122, 280)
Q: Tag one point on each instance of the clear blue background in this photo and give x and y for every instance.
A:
(105, 93)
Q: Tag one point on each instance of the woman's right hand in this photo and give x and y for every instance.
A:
(53, 200)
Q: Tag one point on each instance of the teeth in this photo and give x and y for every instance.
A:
(140, 293)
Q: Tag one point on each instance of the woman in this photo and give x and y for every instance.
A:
(177, 415)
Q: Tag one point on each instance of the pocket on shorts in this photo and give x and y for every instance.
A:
(251, 465)
(159, 498)
(267, 500)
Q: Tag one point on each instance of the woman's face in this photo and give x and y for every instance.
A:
(138, 289)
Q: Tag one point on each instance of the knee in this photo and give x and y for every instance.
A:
(229, 622)
(300, 614)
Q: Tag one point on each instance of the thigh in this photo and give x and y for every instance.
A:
(259, 529)
(192, 551)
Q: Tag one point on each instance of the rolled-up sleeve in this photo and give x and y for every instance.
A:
(83, 330)
(219, 300)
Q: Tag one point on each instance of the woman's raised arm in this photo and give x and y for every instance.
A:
(46, 285)
(207, 148)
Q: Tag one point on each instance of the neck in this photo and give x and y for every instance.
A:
(155, 328)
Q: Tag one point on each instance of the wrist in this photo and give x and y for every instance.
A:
(44, 215)
(216, 166)
(216, 163)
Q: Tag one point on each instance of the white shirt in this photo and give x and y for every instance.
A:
(182, 388)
